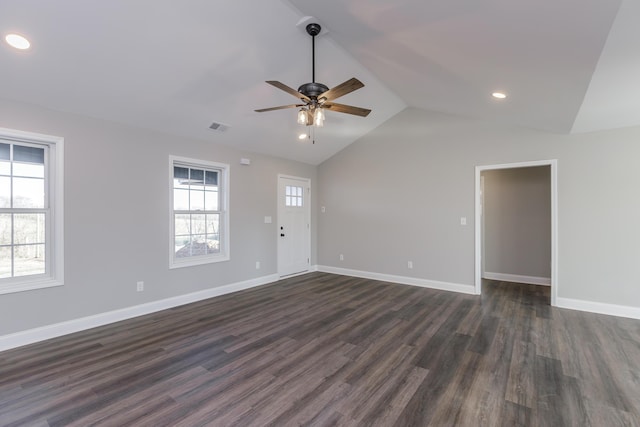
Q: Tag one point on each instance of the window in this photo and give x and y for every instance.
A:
(293, 196)
(199, 212)
(30, 211)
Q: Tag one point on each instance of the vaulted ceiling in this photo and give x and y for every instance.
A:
(177, 66)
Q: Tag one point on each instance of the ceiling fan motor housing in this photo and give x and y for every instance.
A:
(313, 90)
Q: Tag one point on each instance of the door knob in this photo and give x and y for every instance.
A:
(281, 234)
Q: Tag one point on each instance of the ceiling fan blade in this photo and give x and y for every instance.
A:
(288, 89)
(282, 107)
(341, 108)
(342, 89)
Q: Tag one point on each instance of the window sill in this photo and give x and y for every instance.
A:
(29, 285)
(198, 261)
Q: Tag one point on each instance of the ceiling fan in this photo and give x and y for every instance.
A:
(317, 97)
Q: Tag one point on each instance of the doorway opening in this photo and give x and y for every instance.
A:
(479, 231)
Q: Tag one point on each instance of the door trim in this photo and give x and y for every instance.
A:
(307, 208)
(553, 163)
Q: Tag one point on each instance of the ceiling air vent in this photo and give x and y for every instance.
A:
(218, 127)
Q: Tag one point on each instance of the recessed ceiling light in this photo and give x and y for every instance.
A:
(302, 136)
(499, 95)
(17, 41)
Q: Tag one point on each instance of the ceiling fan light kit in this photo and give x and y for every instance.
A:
(317, 97)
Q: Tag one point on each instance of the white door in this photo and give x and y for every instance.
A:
(294, 228)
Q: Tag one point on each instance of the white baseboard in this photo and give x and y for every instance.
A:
(599, 307)
(504, 277)
(413, 281)
(30, 336)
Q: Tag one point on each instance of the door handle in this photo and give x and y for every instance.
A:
(281, 234)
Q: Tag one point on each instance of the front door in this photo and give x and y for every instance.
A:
(293, 225)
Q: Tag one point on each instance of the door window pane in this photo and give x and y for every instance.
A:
(293, 196)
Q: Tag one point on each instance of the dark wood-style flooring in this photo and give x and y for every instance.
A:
(325, 350)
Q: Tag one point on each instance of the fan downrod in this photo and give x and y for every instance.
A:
(313, 89)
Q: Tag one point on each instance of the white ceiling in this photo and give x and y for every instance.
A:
(178, 66)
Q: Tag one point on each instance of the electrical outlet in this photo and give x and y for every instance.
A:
(463, 220)
(257, 265)
(409, 264)
(341, 257)
(140, 286)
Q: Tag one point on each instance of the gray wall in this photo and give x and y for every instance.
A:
(117, 218)
(517, 221)
(399, 192)
(395, 195)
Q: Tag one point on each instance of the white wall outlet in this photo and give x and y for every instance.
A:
(341, 257)
(267, 220)
(139, 286)
(323, 209)
(463, 220)
(257, 265)
(409, 264)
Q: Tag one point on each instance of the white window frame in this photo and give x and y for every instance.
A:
(54, 212)
(223, 189)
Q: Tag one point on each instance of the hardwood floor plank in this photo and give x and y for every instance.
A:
(323, 349)
(425, 400)
(456, 394)
(520, 380)
(397, 398)
(316, 408)
(482, 340)
(515, 415)
(431, 352)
